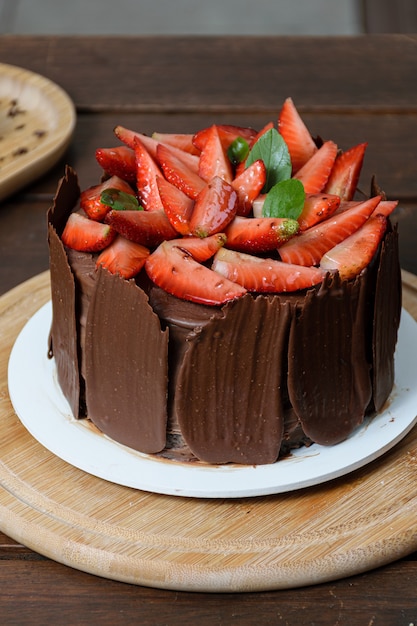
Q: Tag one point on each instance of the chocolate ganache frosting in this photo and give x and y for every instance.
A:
(244, 382)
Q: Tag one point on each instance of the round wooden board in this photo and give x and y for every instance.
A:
(344, 527)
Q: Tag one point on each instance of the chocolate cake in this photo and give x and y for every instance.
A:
(245, 381)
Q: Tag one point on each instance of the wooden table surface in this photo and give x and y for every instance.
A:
(348, 89)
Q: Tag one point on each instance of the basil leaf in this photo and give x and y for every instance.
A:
(273, 151)
(285, 199)
(119, 200)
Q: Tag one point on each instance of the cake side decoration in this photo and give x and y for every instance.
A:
(227, 295)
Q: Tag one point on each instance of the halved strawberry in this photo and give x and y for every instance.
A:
(264, 275)
(147, 172)
(345, 173)
(248, 186)
(129, 137)
(90, 199)
(262, 234)
(177, 272)
(227, 133)
(201, 249)
(85, 235)
(295, 133)
(386, 207)
(213, 159)
(355, 252)
(309, 247)
(177, 173)
(177, 206)
(119, 161)
(261, 132)
(148, 228)
(182, 141)
(315, 173)
(123, 257)
(317, 207)
(214, 208)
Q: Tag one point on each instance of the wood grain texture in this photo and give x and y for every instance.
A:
(324, 533)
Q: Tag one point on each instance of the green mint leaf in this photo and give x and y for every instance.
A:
(285, 199)
(272, 150)
(119, 200)
(238, 150)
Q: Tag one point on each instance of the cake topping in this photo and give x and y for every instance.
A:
(282, 201)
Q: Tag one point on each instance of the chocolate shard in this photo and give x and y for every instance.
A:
(126, 365)
(228, 396)
(63, 337)
(329, 382)
(387, 313)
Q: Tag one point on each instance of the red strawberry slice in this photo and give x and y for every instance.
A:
(174, 270)
(213, 159)
(123, 257)
(90, 198)
(148, 228)
(317, 207)
(227, 133)
(214, 208)
(295, 133)
(262, 234)
(182, 141)
(248, 186)
(177, 172)
(85, 235)
(119, 161)
(147, 172)
(386, 207)
(263, 130)
(201, 249)
(129, 137)
(315, 173)
(354, 253)
(264, 275)
(177, 206)
(345, 173)
(309, 247)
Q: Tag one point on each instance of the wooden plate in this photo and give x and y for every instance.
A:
(37, 120)
(331, 531)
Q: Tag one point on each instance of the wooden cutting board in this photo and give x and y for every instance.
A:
(347, 526)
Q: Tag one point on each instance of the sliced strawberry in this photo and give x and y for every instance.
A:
(315, 173)
(264, 275)
(182, 141)
(386, 207)
(262, 234)
(81, 233)
(309, 247)
(174, 270)
(177, 173)
(119, 161)
(213, 159)
(147, 172)
(355, 252)
(317, 207)
(345, 173)
(123, 257)
(90, 199)
(296, 135)
(261, 132)
(227, 133)
(148, 228)
(129, 137)
(248, 186)
(177, 206)
(214, 208)
(201, 249)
